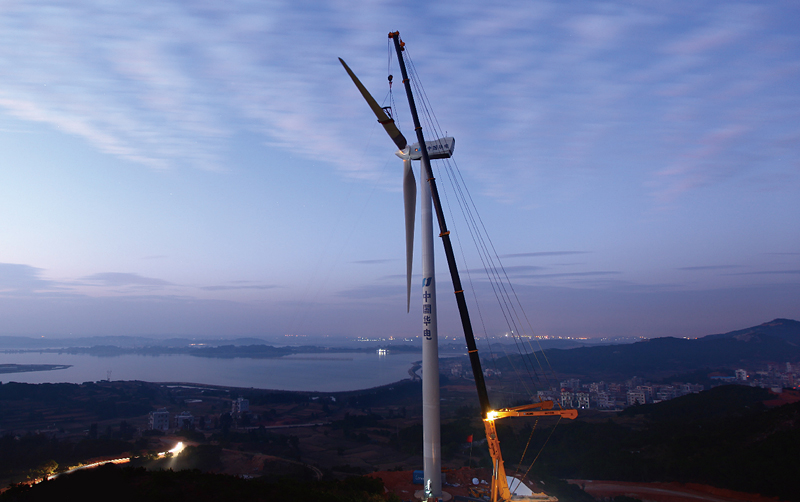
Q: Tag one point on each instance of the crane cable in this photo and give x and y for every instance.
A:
(492, 269)
(498, 282)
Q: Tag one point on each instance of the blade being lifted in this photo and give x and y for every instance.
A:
(385, 120)
(409, 182)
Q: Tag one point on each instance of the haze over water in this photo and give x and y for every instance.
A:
(306, 372)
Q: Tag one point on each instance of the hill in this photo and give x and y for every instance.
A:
(784, 329)
(725, 437)
(774, 342)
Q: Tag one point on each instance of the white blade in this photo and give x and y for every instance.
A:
(410, 203)
(386, 121)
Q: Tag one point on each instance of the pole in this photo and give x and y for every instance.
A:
(431, 423)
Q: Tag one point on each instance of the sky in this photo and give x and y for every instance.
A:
(208, 168)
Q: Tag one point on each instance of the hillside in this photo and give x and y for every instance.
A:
(784, 329)
(725, 437)
(774, 342)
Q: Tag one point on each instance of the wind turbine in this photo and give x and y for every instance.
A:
(437, 149)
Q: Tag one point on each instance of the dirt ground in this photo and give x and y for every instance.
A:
(457, 481)
(666, 492)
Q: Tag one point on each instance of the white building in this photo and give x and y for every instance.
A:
(566, 399)
(666, 393)
(159, 420)
(240, 406)
(637, 396)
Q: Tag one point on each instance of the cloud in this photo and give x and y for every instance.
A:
(570, 274)
(516, 269)
(710, 267)
(374, 292)
(374, 262)
(542, 253)
(116, 279)
(229, 288)
(21, 278)
(770, 272)
(552, 91)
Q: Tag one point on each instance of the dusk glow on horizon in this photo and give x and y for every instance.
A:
(205, 170)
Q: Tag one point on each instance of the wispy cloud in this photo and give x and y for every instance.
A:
(542, 253)
(235, 287)
(167, 83)
(116, 279)
(710, 267)
(572, 274)
(373, 262)
(513, 270)
(20, 278)
(770, 272)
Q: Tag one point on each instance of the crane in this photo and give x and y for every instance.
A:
(443, 148)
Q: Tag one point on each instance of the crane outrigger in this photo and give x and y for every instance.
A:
(442, 148)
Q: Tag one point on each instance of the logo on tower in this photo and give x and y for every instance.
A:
(426, 281)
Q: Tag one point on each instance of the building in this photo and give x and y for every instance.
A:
(547, 395)
(240, 406)
(572, 383)
(692, 388)
(605, 400)
(566, 399)
(159, 420)
(666, 392)
(184, 420)
(637, 396)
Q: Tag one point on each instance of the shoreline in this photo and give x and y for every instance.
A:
(327, 373)
(194, 385)
(10, 368)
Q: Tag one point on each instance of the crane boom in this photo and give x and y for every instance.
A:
(500, 490)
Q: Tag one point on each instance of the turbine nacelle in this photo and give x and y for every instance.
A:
(441, 148)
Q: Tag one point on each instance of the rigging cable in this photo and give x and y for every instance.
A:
(428, 117)
(510, 304)
(504, 299)
(542, 448)
(527, 444)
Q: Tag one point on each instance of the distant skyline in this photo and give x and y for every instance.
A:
(210, 170)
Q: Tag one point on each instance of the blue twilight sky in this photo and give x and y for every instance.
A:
(207, 168)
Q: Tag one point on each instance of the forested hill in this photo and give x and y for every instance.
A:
(727, 437)
(777, 341)
(785, 329)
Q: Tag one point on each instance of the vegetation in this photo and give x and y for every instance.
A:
(723, 437)
(35, 455)
(661, 357)
(129, 484)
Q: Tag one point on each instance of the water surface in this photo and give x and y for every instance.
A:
(298, 372)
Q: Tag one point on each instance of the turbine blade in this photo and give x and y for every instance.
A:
(410, 202)
(385, 120)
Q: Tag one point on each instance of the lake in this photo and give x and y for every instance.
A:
(298, 372)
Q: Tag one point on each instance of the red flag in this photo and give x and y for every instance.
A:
(469, 438)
